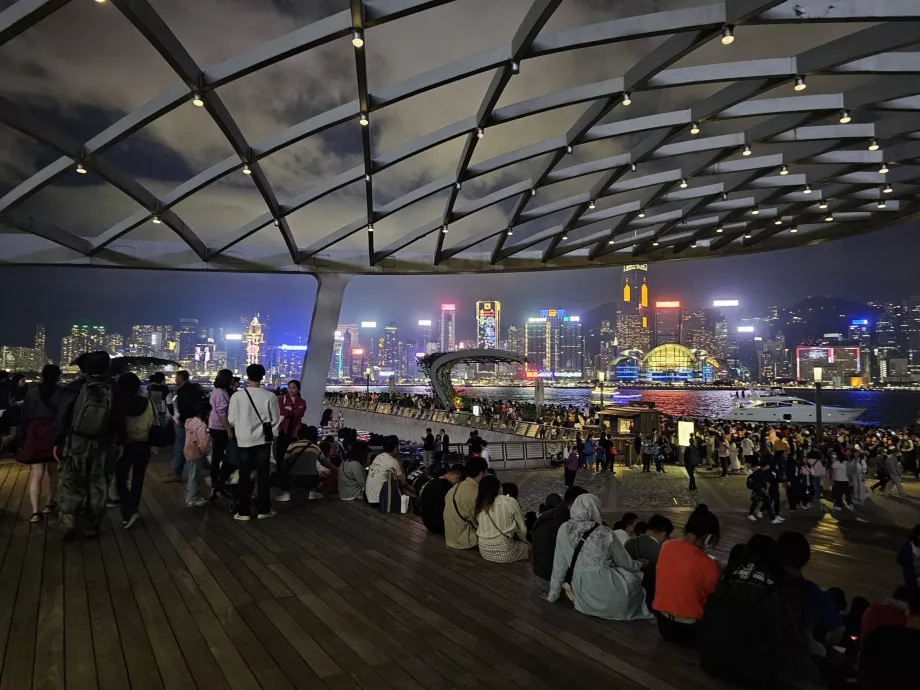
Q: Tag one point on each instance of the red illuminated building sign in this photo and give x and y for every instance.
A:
(448, 307)
(667, 305)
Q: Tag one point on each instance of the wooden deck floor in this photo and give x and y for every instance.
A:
(327, 594)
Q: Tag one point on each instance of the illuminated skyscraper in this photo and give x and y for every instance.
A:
(39, 343)
(538, 346)
(632, 312)
(254, 341)
(81, 339)
(390, 359)
(448, 326)
(424, 337)
(570, 348)
(667, 323)
(488, 324)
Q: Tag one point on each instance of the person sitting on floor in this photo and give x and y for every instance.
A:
(385, 464)
(887, 656)
(352, 477)
(645, 547)
(500, 529)
(460, 506)
(543, 535)
(626, 527)
(893, 611)
(431, 500)
(594, 568)
(300, 468)
(685, 577)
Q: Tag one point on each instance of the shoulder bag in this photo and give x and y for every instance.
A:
(567, 585)
(267, 432)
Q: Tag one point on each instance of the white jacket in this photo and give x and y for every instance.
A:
(247, 427)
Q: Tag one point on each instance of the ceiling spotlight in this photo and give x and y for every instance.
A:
(510, 232)
(610, 241)
(247, 170)
(627, 98)
(457, 186)
(642, 213)
(591, 205)
(100, 1)
(357, 39)
(884, 169)
(881, 203)
(728, 35)
(533, 192)
(800, 84)
(655, 243)
(367, 178)
(693, 246)
(196, 100)
(720, 230)
(569, 149)
(784, 170)
(515, 68)
(823, 204)
(480, 132)
(845, 117)
(793, 229)
(807, 189)
(873, 144)
(778, 221)
(754, 210)
(633, 167)
(156, 220)
(683, 183)
(363, 121)
(444, 230)
(695, 128)
(887, 188)
(829, 217)
(747, 235)
(370, 227)
(276, 223)
(724, 196)
(746, 151)
(565, 237)
(81, 169)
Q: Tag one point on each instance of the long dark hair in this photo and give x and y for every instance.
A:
(359, 452)
(489, 488)
(51, 373)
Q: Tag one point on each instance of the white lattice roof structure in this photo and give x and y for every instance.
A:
(803, 144)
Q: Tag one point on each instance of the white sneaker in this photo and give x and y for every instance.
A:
(197, 503)
(283, 497)
(314, 496)
(752, 518)
(758, 513)
(777, 520)
(836, 508)
(242, 518)
(269, 514)
(781, 519)
(131, 520)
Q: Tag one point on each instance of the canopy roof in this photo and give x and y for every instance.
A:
(700, 145)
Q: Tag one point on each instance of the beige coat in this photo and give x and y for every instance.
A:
(460, 529)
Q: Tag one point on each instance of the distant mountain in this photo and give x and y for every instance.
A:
(592, 319)
(812, 317)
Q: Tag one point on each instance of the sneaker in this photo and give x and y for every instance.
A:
(777, 520)
(242, 518)
(283, 497)
(781, 519)
(197, 503)
(269, 514)
(758, 513)
(806, 506)
(314, 496)
(129, 523)
(752, 518)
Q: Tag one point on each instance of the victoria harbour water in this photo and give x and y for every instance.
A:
(890, 408)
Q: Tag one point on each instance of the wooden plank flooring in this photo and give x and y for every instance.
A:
(326, 595)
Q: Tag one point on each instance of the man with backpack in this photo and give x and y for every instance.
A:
(89, 432)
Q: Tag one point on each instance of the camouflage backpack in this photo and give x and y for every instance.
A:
(92, 410)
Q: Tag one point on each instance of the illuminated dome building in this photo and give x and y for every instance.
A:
(671, 363)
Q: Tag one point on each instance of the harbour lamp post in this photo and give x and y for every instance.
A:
(367, 379)
(600, 379)
(819, 431)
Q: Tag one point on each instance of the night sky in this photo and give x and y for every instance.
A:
(84, 68)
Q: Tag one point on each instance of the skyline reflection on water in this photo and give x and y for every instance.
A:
(890, 408)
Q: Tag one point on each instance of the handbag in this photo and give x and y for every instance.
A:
(567, 585)
(390, 499)
(267, 432)
(160, 436)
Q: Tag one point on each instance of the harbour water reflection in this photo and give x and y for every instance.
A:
(892, 408)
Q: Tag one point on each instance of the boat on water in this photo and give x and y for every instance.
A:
(775, 406)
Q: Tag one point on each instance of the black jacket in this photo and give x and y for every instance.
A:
(543, 538)
(188, 398)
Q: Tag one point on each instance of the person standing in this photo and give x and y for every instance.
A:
(427, 447)
(747, 452)
(909, 455)
(89, 432)
(140, 416)
(184, 403)
(893, 466)
(197, 448)
(445, 448)
(723, 457)
(691, 462)
(37, 446)
(293, 408)
(255, 418)
(220, 430)
(859, 480)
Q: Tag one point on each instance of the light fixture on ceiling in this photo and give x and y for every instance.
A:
(363, 120)
(100, 1)
(800, 84)
(627, 98)
(807, 189)
(156, 220)
(367, 178)
(196, 100)
(829, 217)
(444, 230)
(683, 183)
(569, 149)
(247, 170)
(794, 229)
(655, 243)
(515, 68)
(457, 186)
(823, 204)
(694, 245)
(845, 118)
(357, 39)
(510, 232)
(873, 144)
(370, 227)
(591, 205)
(565, 237)
(887, 188)
(695, 128)
(276, 223)
(778, 221)
(884, 169)
(633, 167)
(610, 241)
(642, 213)
(754, 210)
(720, 230)
(724, 196)
(480, 132)
(746, 151)
(81, 169)
(533, 192)
(784, 170)
(881, 203)
(747, 235)
(728, 35)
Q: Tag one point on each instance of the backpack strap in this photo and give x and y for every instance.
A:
(457, 508)
(581, 542)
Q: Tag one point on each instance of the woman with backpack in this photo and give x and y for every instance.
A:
(37, 440)
(593, 568)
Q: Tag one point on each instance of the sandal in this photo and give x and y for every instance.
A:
(37, 517)
(50, 508)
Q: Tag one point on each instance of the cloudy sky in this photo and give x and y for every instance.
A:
(85, 67)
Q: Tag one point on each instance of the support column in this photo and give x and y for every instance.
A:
(330, 288)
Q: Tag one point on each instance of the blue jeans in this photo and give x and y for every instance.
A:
(191, 482)
(178, 462)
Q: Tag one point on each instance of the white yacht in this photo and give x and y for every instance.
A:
(776, 406)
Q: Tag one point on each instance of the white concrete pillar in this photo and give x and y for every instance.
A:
(330, 288)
